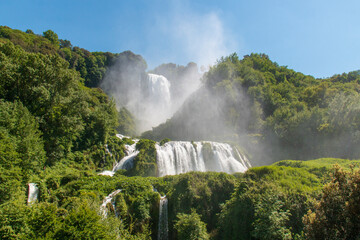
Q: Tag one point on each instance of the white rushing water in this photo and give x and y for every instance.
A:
(130, 151)
(33, 192)
(181, 157)
(107, 150)
(176, 157)
(159, 91)
(163, 219)
(155, 103)
(107, 200)
(127, 161)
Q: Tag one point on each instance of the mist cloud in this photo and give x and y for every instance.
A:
(196, 37)
(183, 35)
(202, 37)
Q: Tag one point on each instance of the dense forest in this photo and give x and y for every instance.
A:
(286, 113)
(58, 129)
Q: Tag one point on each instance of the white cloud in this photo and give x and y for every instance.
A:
(201, 37)
(182, 34)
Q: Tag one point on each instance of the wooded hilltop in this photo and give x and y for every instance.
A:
(58, 130)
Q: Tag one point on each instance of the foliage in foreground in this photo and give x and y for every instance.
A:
(70, 116)
(268, 204)
(190, 227)
(264, 203)
(56, 132)
(337, 213)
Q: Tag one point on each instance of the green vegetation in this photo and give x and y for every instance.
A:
(269, 204)
(57, 132)
(91, 66)
(145, 162)
(336, 214)
(70, 116)
(165, 140)
(189, 226)
(21, 149)
(127, 123)
(69, 208)
(294, 115)
(320, 167)
(202, 192)
(264, 203)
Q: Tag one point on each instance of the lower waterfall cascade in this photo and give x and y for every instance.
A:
(176, 157)
(33, 192)
(127, 161)
(163, 219)
(109, 199)
(130, 151)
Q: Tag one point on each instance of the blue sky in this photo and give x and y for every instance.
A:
(316, 37)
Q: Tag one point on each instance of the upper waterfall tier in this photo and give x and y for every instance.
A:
(159, 90)
(152, 103)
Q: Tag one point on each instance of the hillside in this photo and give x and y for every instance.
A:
(92, 66)
(287, 114)
(66, 173)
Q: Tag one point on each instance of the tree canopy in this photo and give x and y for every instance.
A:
(58, 132)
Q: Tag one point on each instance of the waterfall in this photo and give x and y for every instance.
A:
(176, 157)
(129, 149)
(163, 219)
(155, 103)
(127, 161)
(159, 91)
(33, 192)
(107, 150)
(180, 157)
(109, 199)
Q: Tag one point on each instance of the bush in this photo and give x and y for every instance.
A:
(337, 213)
(190, 227)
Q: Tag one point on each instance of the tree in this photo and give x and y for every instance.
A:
(43, 220)
(190, 227)
(337, 213)
(270, 218)
(65, 43)
(13, 216)
(127, 123)
(84, 223)
(52, 36)
(29, 31)
(21, 145)
(69, 114)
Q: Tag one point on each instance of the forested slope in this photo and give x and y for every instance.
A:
(59, 133)
(288, 114)
(92, 66)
